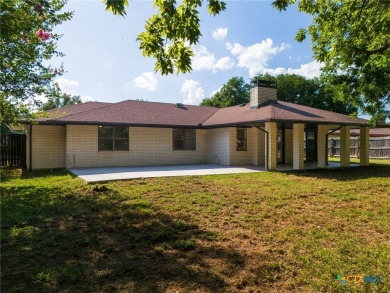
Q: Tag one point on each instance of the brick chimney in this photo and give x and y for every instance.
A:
(263, 91)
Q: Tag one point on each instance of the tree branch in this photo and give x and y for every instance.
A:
(371, 52)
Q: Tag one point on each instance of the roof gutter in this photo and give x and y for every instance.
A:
(266, 146)
(327, 139)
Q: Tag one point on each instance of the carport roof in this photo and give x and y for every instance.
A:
(177, 115)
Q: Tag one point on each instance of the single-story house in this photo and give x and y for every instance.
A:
(265, 132)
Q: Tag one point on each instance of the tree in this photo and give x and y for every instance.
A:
(351, 38)
(298, 89)
(170, 32)
(234, 92)
(58, 99)
(291, 88)
(26, 44)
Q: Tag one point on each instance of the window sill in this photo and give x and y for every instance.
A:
(183, 150)
(118, 151)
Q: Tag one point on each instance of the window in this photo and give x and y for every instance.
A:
(241, 139)
(184, 139)
(113, 138)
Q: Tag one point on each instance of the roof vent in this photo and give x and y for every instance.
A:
(242, 105)
(181, 106)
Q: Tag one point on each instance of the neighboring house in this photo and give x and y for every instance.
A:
(379, 143)
(134, 133)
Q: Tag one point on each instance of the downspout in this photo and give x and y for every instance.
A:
(267, 143)
(30, 148)
(327, 141)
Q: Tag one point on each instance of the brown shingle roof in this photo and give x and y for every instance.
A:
(142, 113)
(57, 114)
(280, 111)
(170, 115)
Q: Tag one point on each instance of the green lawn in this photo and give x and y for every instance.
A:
(259, 232)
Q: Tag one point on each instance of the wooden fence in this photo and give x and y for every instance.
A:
(13, 150)
(379, 147)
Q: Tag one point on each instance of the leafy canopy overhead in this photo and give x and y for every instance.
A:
(351, 39)
(170, 32)
(26, 44)
(291, 88)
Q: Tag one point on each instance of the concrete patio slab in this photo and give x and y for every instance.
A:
(91, 175)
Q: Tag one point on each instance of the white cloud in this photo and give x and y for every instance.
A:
(309, 70)
(220, 33)
(255, 57)
(204, 60)
(87, 99)
(146, 81)
(192, 92)
(224, 63)
(68, 86)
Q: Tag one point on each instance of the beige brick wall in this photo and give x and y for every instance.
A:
(322, 145)
(288, 143)
(48, 151)
(153, 146)
(272, 129)
(240, 158)
(255, 146)
(258, 147)
(298, 146)
(261, 150)
(148, 146)
(218, 147)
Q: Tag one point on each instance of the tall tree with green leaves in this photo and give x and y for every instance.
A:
(234, 92)
(313, 92)
(58, 99)
(292, 88)
(351, 39)
(27, 42)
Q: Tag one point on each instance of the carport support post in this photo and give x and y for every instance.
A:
(322, 145)
(364, 149)
(345, 149)
(298, 146)
(272, 129)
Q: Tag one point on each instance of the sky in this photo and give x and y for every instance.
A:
(103, 61)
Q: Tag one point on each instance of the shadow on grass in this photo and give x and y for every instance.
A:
(346, 174)
(58, 240)
(8, 174)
